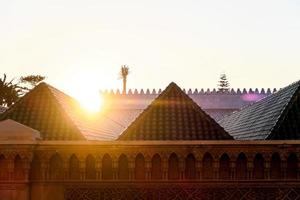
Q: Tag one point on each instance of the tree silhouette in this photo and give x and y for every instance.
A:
(124, 73)
(32, 80)
(10, 91)
(223, 83)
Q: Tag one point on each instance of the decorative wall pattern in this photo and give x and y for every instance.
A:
(183, 192)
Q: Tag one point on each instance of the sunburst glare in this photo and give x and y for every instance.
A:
(91, 104)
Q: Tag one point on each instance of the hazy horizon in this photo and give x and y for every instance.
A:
(80, 45)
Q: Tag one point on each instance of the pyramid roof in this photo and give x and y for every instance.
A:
(58, 116)
(276, 116)
(173, 115)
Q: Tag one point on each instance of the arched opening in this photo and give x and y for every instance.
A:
(156, 171)
(90, 167)
(107, 171)
(241, 166)
(224, 170)
(190, 167)
(292, 166)
(56, 167)
(173, 168)
(19, 172)
(139, 167)
(123, 170)
(74, 171)
(3, 168)
(35, 169)
(258, 167)
(207, 166)
(275, 168)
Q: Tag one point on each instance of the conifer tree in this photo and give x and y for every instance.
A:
(223, 83)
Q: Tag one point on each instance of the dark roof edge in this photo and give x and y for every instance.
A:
(195, 106)
(42, 84)
(20, 100)
(49, 88)
(258, 101)
(284, 111)
(141, 114)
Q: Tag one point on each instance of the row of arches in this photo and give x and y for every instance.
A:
(19, 172)
(173, 169)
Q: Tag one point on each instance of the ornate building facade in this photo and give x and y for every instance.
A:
(150, 170)
(172, 150)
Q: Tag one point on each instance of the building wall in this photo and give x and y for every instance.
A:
(131, 170)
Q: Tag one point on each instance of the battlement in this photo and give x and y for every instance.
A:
(196, 91)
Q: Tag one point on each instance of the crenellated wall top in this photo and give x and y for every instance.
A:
(202, 91)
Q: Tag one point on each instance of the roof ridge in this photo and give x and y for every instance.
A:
(75, 120)
(41, 86)
(20, 100)
(285, 108)
(261, 117)
(52, 90)
(259, 100)
(198, 109)
(185, 103)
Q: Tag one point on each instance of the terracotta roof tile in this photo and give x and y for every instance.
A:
(174, 116)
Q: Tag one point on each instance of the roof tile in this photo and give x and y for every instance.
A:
(173, 115)
(276, 116)
(58, 116)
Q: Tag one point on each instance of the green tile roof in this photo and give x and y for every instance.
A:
(173, 115)
(58, 116)
(277, 116)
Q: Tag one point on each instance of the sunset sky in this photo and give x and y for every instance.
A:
(82, 44)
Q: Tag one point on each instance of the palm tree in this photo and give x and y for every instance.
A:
(124, 73)
(9, 92)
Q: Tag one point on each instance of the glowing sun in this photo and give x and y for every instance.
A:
(84, 86)
(92, 104)
(90, 101)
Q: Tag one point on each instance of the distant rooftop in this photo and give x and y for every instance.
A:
(190, 91)
(124, 108)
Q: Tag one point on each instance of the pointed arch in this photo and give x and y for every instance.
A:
(156, 168)
(107, 171)
(90, 167)
(258, 166)
(224, 167)
(241, 166)
(275, 166)
(3, 168)
(190, 166)
(19, 169)
(74, 168)
(123, 169)
(139, 167)
(292, 166)
(173, 167)
(207, 166)
(35, 169)
(56, 167)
